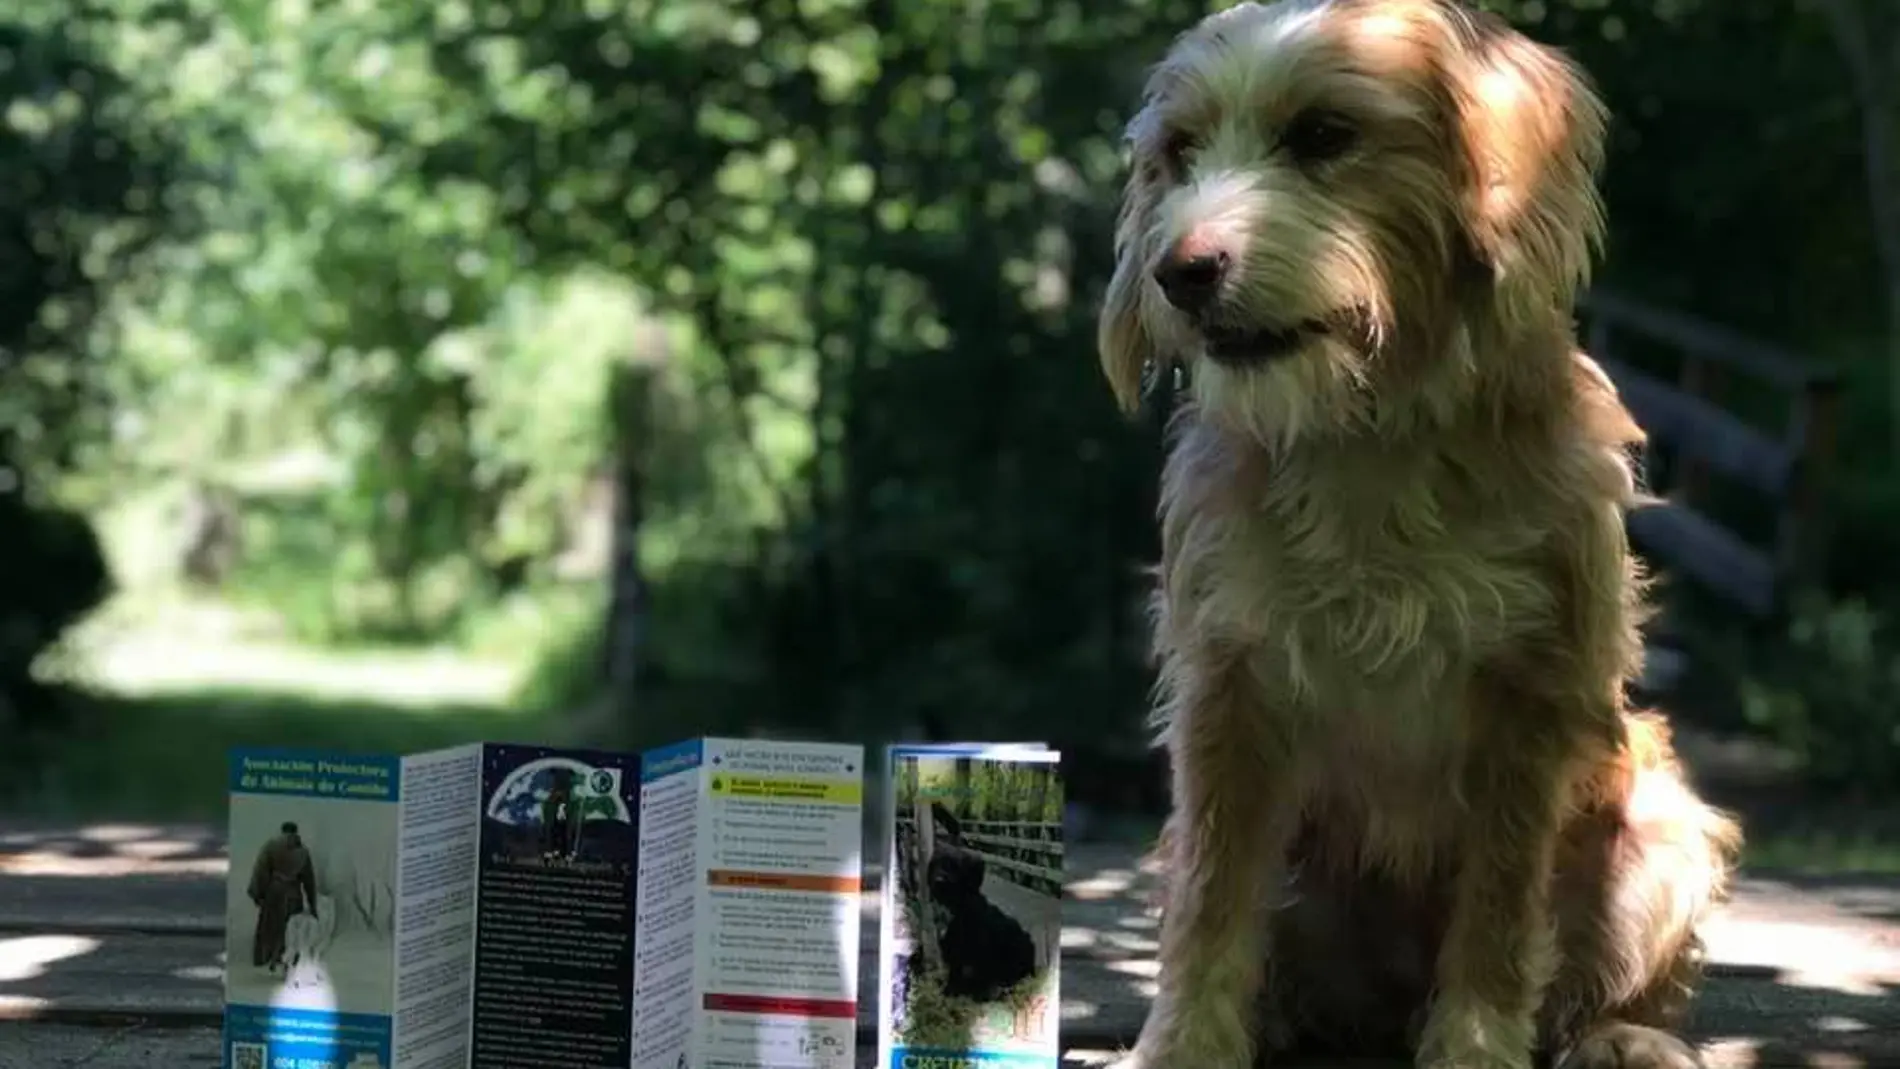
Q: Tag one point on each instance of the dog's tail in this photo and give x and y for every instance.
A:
(1668, 864)
(1649, 785)
(1714, 834)
(1649, 782)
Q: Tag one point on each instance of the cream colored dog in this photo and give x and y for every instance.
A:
(1396, 610)
(306, 937)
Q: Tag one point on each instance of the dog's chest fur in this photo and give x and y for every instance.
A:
(1363, 586)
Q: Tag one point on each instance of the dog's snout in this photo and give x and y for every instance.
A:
(1191, 274)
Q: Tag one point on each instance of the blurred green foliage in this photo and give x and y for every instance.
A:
(984, 789)
(368, 269)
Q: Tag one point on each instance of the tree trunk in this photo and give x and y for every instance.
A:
(1873, 68)
(631, 396)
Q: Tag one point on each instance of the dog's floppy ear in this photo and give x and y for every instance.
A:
(1533, 128)
(1122, 342)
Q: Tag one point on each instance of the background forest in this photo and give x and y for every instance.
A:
(385, 374)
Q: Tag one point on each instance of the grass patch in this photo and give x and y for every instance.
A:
(1826, 852)
(159, 689)
(933, 1018)
(162, 757)
(938, 1021)
(1821, 836)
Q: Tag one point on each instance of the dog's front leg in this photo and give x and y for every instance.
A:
(1499, 950)
(1236, 806)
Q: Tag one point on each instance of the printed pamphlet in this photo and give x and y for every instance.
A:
(366, 890)
(746, 952)
(554, 909)
(970, 922)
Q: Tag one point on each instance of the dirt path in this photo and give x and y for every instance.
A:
(111, 957)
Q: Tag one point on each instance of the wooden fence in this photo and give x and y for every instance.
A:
(1026, 853)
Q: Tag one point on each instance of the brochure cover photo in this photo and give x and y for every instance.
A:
(310, 909)
(969, 954)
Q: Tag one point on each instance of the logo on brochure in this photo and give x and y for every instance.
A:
(602, 781)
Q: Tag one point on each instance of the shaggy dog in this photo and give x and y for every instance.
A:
(1396, 609)
(986, 952)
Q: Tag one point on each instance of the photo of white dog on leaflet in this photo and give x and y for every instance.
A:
(306, 937)
(310, 905)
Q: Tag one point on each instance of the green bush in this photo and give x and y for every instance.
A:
(53, 572)
(1831, 694)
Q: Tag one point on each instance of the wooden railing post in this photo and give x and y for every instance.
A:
(1801, 530)
(1700, 379)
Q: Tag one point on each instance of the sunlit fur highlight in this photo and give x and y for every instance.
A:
(1396, 610)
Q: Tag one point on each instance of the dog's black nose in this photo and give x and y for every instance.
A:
(1191, 276)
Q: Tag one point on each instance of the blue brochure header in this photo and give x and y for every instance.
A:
(668, 760)
(945, 1058)
(281, 1038)
(317, 774)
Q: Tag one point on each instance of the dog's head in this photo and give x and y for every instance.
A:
(1328, 198)
(955, 875)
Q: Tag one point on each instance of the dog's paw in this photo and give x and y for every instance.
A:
(1475, 1059)
(1468, 1034)
(1140, 1058)
(1186, 1057)
(1631, 1046)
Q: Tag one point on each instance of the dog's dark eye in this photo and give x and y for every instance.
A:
(1176, 150)
(1318, 136)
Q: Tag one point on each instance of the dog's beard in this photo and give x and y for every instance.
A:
(1319, 383)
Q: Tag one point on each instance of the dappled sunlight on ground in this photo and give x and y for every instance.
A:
(110, 976)
(104, 850)
(212, 974)
(1807, 955)
(1804, 970)
(27, 957)
(1834, 934)
(1108, 884)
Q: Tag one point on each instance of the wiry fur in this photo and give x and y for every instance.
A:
(1397, 612)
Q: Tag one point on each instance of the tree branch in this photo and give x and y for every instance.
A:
(1874, 89)
(1880, 113)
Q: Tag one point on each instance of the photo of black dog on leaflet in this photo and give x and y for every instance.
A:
(986, 952)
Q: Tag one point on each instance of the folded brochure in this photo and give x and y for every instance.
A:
(969, 962)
